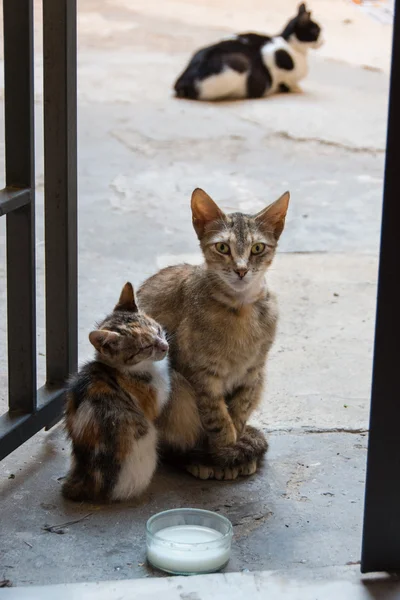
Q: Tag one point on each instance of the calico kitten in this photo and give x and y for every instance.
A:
(112, 404)
(252, 65)
(222, 320)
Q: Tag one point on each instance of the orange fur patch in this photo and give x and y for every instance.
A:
(69, 412)
(99, 388)
(144, 394)
(125, 439)
(84, 428)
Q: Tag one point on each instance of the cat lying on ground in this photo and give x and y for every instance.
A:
(250, 65)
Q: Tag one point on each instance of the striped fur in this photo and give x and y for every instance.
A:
(221, 319)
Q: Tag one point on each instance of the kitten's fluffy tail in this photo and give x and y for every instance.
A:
(251, 447)
(81, 489)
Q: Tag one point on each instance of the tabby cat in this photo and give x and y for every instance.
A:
(112, 404)
(220, 320)
(250, 65)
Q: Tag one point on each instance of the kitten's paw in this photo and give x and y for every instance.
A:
(74, 489)
(201, 471)
(248, 469)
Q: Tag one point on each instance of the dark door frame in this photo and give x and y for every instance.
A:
(381, 535)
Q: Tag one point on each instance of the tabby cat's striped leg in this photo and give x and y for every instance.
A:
(243, 401)
(216, 421)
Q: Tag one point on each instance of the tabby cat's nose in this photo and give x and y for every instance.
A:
(241, 272)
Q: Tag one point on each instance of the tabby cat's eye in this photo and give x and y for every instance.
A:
(222, 248)
(257, 248)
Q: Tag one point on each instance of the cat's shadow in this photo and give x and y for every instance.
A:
(173, 488)
(277, 97)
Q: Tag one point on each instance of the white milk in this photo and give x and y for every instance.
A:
(164, 551)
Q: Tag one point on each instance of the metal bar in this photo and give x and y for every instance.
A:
(19, 144)
(13, 198)
(60, 124)
(381, 535)
(43, 408)
(15, 430)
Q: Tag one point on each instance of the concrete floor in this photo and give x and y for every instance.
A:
(141, 152)
(236, 586)
(301, 511)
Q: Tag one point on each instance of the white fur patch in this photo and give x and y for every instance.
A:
(83, 418)
(140, 464)
(247, 291)
(298, 53)
(138, 467)
(159, 371)
(227, 84)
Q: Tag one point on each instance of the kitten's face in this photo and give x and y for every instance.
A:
(238, 248)
(127, 337)
(304, 29)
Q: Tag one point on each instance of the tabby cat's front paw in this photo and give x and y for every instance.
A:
(213, 472)
(226, 437)
(201, 471)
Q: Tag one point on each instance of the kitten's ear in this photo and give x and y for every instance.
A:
(127, 299)
(104, 340)
(302, 8)
(272, 218)
(204, 211)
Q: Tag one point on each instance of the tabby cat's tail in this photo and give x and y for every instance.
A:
(251, 447)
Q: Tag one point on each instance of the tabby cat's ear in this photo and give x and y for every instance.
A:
(127, 299)
(272, 218)
(302, 8)
(204, 211)
(104, 340)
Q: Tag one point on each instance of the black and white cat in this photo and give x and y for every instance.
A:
(250, 65)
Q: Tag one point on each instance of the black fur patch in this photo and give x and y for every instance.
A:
(258, 81)
(237, 62)
(255, 40)
(283, 88)
(283, 60)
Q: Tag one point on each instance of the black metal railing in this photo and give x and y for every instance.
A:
(30, 409)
